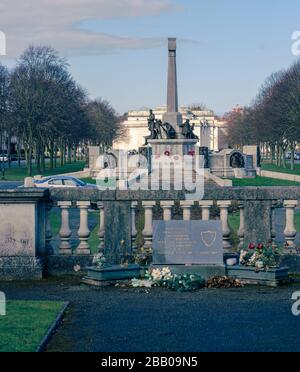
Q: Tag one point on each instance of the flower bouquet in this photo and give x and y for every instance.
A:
(261, 256)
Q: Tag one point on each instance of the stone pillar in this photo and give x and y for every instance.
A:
(224, 205)
(148, 229)
(241, 230)
(49, 248)
(65, 231)
(167, 209)
(118, 230)
(258, 221)
(290, 230)
(187, 206)
(84, 231)
(205, 207)
(273, 231)
(101, 231)
(134, 205)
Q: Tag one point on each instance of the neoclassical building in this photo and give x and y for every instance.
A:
(210, 130)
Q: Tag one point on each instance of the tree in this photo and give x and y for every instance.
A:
(105, 126)
(46, 104)
(4, 112)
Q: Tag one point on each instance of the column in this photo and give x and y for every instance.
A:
(148, 229)
(205, 207)
(84, 231)
(65, 231)
(290, 230)
(134, 205)
(241, 230)
(224, 205)
(273, 231)
(187, 209)
(167, 209)
(101, 231)
(48, 248)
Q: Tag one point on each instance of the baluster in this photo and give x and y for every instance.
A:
(241, 230)
(65, 231)
(290, 230)
(48, 248)
(224, 205)
(205, 207)
(187, 209)
(134, 205)
(84, 231)
(167, 209)
(101, 232)
(148, 229)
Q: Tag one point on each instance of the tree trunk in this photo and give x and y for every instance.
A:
(19, 153)
(292, 156)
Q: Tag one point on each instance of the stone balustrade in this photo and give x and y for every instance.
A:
(117, 217)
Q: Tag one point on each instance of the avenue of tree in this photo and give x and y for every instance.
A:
(273, 120)
(49, 113)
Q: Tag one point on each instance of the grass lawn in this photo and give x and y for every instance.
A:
(26, 323)
(275, 168)
(262, 181)
(18, 174)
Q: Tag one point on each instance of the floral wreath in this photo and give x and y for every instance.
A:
(167, 153)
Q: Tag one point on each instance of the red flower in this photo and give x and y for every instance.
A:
(251, 246)
(260, 246)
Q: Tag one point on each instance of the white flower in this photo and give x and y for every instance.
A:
(77, 268)
(139, 283)
(242, 256)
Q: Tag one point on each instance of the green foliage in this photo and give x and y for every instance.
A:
(184, 283)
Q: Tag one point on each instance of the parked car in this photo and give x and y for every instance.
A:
(3, 159)
(297, 156)
(62, 182)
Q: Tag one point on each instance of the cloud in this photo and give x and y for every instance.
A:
(55, 23)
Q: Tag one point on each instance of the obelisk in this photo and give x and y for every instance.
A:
(172, 115)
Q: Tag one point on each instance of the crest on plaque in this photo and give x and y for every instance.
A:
(208, 238)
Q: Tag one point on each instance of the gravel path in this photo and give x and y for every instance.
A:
(120, 319)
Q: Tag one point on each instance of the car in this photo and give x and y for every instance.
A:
(62, 182)
(3, 159)
(297, 156)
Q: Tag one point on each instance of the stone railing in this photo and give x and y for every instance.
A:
(25, 229)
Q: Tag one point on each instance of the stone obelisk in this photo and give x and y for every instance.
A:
(179, 145)
(172, 115)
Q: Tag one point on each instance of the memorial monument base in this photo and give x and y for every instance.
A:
(172, 147)
(205, 271)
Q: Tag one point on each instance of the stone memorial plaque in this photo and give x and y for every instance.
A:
(187, 243)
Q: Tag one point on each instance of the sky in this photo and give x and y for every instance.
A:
(117, 49)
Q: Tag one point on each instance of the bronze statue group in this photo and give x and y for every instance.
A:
(160, 130)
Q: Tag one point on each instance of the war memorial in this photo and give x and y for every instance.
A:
(162, 214)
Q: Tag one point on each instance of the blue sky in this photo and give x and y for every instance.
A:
(225, 50)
